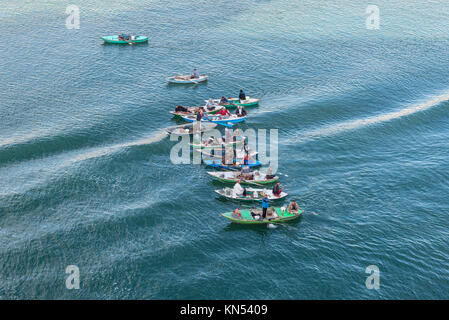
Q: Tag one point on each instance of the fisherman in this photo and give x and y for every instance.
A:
(181, 109)
(224, 112)
(236, 213)
(210, 105)
(245, 170)
(199, 115)
(242, 96)
(293, 207)
(238, 190)
(246, 159)
(265, 204)
(269, 174)
(240, 112)
(277, 189)
(223, 100)
(195, 75)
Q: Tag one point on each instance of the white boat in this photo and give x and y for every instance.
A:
(190, 128)
(240, 154)
(186, 79)
(194, 109)
(252, 194)
(205, 144)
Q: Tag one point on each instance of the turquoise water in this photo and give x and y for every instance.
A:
(86, 177)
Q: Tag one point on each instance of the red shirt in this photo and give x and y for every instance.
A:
(224, 112)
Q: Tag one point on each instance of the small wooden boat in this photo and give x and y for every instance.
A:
(216, 118)
(234, 102)
(254, 178)
(218, 144)
(193, 110)
(240, 154)
(124, 39)
(251, 194)
(187, 79)
(190, 128)
(254, 216)
(217, 164)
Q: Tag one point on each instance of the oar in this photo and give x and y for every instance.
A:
(218, 122)
(249, 182)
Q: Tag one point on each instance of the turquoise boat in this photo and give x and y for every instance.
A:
(124, 39)
(235, 102)
(217, 164)
(245, 217)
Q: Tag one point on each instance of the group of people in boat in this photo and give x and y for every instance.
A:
(125, 37)
(267, 212)
(238, 190)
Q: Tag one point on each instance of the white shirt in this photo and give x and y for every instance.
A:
(196, 74)
(238, 190)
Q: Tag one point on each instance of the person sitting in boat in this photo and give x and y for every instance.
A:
(181, 109)
(245, 170)
(236, 213)
(237, 190)
(224, 113)
(269, 174)
(195, 74)
(277, 189)
(223, 100)
(242, 95)
(209, 142)
(240, 111)
(293, 207)
(210, 105)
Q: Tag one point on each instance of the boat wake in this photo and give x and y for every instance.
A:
(360, 123)
(108, 150)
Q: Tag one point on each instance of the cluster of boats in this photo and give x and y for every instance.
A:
(241, 168)
(230, 155)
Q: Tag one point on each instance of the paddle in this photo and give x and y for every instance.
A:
(218, 122)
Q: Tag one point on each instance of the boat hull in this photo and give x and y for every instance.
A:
(115, 40)
(218, 165)
(222, 177)
(247, 218)
(215, 119)
(186, 80)
(235, 102)
(250, 195)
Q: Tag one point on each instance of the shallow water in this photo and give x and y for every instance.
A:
(86, 177)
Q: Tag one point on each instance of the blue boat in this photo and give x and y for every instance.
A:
(216, 119)
(217, 164)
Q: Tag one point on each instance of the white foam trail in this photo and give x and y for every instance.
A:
(355, 124)
(99, 152)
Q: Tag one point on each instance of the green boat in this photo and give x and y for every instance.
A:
(279, 215)
(124, 39)
(234, 102)
(234, 176)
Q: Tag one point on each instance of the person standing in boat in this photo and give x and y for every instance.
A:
(265, 205)
(242, 95)
(196, 74)
(240, 112)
